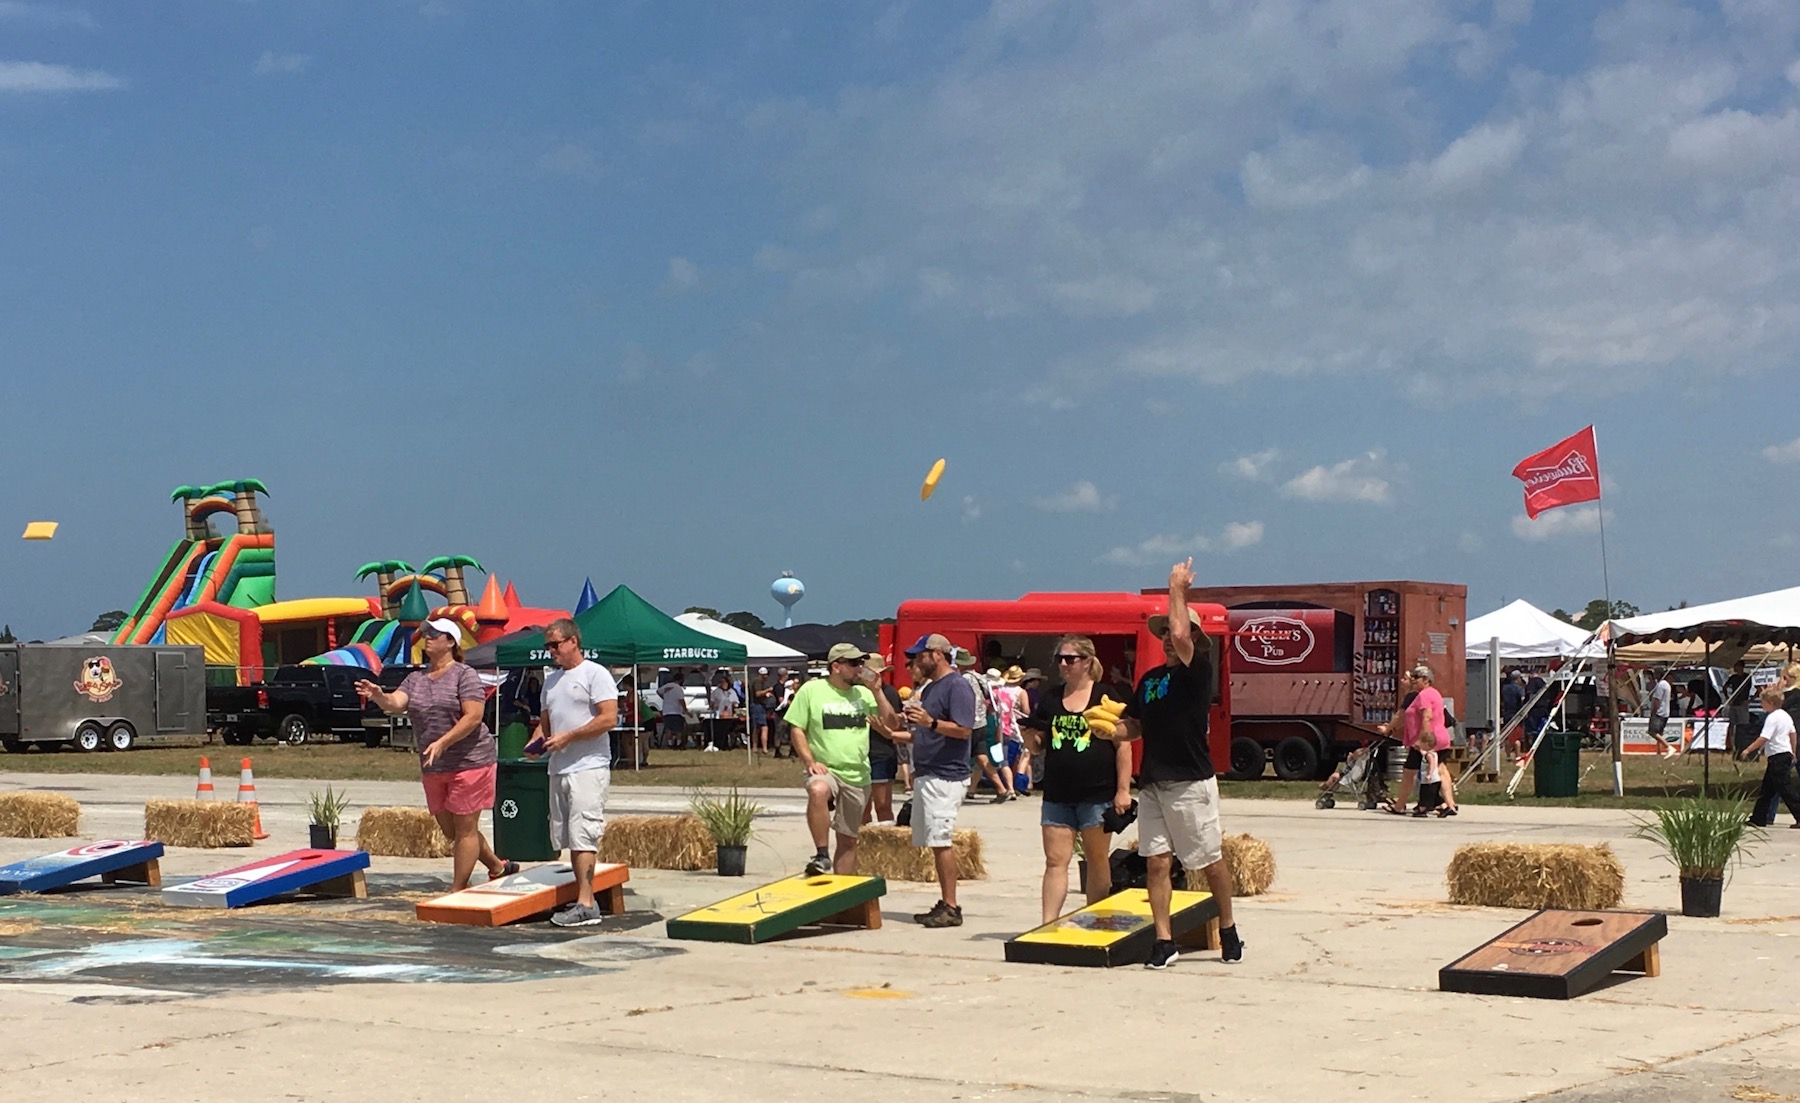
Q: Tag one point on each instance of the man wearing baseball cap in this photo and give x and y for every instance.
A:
(1178, 793)
(941, 718)
(829, 721)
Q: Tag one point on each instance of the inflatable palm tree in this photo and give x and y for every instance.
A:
(456, 591)
(384, 571)
(249, 515)
(196, 527)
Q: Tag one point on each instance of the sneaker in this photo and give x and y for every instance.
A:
(817, 865)
(1163, 953)
(577, 915)
(1231, 947)
(943, 915)
(712, 750)
(1001, 798)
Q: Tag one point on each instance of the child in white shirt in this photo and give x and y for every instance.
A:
(1777, 745)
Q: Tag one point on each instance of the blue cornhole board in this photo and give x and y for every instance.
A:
(321, 872)
(123, 861)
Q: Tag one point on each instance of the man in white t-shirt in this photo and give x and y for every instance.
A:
(581, 708)
(1660, 695)
(674, 711)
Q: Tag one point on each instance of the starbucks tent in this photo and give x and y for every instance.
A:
(625, 630)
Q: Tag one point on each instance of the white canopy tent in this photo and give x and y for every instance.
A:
(1731, 628)
(1527, 632)
(761, 652)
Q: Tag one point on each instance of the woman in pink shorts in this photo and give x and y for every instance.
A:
(456, 751)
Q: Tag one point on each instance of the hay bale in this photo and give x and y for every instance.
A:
(1538, 875)
(200, 823)
(38, 815)
(888, 852)
(401, 833)
(659, 842)
(1252, 864)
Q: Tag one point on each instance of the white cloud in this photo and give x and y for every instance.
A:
(971, 508)
(1168, 547)
(1255, 466)
(36, 76)
(570, 159)
(1781, 453)
(1482, 152)
(46, 15)
(684, 276)
(272, 64)
(1357, 479)
(1568, 520)
(1080, 497)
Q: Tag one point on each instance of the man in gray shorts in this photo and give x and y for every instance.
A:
(941, 716)
(581, 706)
(1178, 793)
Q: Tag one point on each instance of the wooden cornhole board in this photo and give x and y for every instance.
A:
(111, 860)
(783, 906)
(319, 872)
(1118, 931)
(524, 894)
(1558, 954)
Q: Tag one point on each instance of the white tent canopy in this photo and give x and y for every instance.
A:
(761, 651)
(1526, 632)
(1737, 623)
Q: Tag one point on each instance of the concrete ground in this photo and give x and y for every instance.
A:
(1336, 996)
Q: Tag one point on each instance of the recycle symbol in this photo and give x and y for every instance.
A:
(509, 810)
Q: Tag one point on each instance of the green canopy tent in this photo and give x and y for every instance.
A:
(623, 629)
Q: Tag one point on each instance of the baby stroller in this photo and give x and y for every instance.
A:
(1363, 773)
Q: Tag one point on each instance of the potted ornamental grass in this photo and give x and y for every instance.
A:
(1704, 838)
(730, 819)
(326, 812)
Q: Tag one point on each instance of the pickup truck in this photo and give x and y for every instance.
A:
(293, 705)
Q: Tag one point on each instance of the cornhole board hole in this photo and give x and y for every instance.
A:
(781, 907)
(111, 860)
(1558, 954)
(525, 894)
(1117, 931)
(318, 872)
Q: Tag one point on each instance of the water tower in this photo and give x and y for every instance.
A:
(787, 589)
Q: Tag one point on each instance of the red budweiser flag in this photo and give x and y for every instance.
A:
(1561, 475)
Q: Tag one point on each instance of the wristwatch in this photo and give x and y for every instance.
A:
(934, 723)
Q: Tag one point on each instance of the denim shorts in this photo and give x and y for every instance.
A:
(884, 769)
(1075, 817)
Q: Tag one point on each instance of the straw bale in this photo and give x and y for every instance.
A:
(38, 815)
(200, 823)
(888, 852)
(1251, 862)
(659, 842)
(1537, 875)
(401, 832)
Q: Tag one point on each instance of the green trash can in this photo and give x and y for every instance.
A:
(522, 811)
(1556, 768)
(513, 738)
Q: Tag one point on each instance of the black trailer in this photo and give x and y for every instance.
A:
(99, 698)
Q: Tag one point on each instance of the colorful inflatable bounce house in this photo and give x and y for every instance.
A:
(217, 592)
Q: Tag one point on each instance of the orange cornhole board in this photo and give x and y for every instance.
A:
(525, 894)
(1559, 954)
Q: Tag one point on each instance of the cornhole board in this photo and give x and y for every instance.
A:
(781, 907)
(1118, 931)
(524, 894)
(319, 872)
(1559, 954)
(111, 860)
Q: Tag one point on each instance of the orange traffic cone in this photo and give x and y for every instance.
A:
(204, 790)
(247, 795)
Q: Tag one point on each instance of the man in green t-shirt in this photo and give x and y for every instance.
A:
(829, 721)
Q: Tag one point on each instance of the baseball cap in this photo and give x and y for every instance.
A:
(444, 626)
(840, 651)
(1160, 623)
(932, 642)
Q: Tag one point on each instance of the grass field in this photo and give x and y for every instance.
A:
(1648, 781)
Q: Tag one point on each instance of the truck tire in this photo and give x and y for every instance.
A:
(13, 746)
(372, 737)
(292, 730)
(120, 736)
(90, 735)
(1296, 759)
(1246, 758)
(233, 737)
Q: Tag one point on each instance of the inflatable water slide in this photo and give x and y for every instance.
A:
(205, 566)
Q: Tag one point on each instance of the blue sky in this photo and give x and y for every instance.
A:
(684, 295)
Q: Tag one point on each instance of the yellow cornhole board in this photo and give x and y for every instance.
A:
(1117, 931)
(783, 906)
(525, 894)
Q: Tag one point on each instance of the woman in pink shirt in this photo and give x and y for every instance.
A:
(1426, 734)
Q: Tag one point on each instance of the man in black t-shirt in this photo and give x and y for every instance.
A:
(1178, 794)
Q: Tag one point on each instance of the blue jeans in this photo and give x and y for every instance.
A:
(1076, 817)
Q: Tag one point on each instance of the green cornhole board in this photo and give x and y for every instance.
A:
(783, 906)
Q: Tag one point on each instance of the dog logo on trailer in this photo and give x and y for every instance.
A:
(98, 680)
(1274, 641)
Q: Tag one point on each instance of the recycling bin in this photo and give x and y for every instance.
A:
(522, 811)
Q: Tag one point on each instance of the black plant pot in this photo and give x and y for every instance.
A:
(731, 860)
(323, 838)
(1700, 896)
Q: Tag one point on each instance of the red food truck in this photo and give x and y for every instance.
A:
(1025, 631)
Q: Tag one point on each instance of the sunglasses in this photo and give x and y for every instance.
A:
(1071, 658)
(548, 642)
(851, 662)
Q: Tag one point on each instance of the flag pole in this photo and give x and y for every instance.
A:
(1618, 731)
